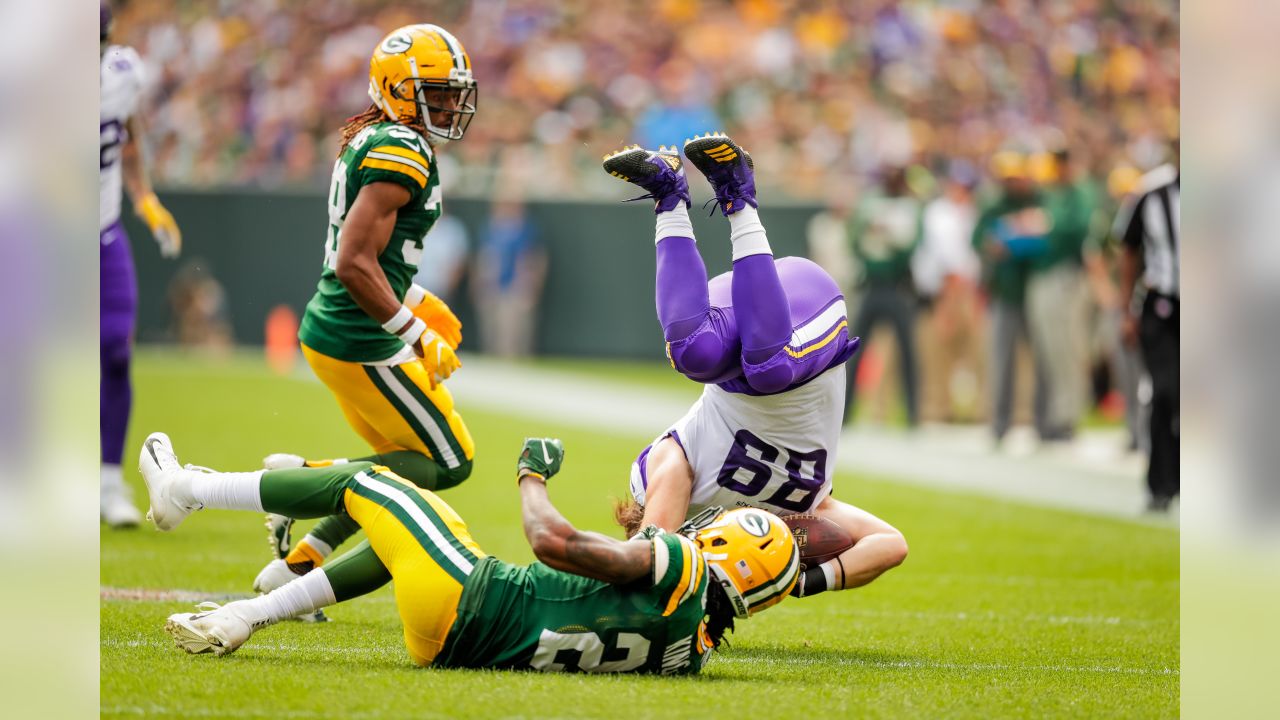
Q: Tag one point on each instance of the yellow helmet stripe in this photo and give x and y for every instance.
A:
(395, 166)
(688, 570)
(455, 47)
(781, 584)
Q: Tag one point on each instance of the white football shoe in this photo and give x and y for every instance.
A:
(115, 500)
(161, 470)
(217, 629)
(275, 574)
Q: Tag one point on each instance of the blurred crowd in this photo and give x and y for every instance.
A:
(973, 157)
(253, 91)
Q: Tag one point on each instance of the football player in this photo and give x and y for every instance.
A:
(767, 339)
(657, 603)
(122, 165)
(381, 344)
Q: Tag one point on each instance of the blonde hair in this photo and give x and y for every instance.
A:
(629, 514)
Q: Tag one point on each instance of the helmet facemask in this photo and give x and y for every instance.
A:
(455, 98)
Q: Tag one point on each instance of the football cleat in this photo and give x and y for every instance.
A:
(659, 171)
(728, 168)
(279, 535)
(115, 503)
(275, 574)
(217, 629)
(161, 470)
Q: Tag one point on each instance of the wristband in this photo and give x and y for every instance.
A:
(405, 325)
(529, 473)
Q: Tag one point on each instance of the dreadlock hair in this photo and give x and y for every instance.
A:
(719, 615)
(372, 115)
(629, 514)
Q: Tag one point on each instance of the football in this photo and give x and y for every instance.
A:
(818, 538)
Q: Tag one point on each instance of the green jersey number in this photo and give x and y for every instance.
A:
(411, 251)
(629, 652)
(337, 214)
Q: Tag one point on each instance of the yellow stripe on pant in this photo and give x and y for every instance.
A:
(426, 547)
(394, 408)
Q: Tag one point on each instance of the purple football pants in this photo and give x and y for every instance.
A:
(763, 328)
(118, 302)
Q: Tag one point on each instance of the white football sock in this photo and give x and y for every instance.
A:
(112, 477)
(296, 597)
(226, 491)
(747, 234)
(318, 545)
(673, 223)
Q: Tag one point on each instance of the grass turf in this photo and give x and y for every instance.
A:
(1002, 610)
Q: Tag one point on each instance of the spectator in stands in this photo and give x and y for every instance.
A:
(444, 258)
(946, 272)
(508, 278)
(812, 88)
(1009, 229)
(1056, 301)
(885, 232)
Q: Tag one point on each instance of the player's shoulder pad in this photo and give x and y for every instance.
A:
(678, 569)
(397, 149)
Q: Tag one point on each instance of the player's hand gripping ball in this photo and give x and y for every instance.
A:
(818, 538)
(540, 456)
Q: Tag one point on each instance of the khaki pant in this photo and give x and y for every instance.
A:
(1057, 302)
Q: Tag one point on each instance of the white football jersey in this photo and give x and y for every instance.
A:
(775, 452)
(122, 83)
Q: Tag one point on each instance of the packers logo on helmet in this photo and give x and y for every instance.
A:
(752, 555)
(422, 72)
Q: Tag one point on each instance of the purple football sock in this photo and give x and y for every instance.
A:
(760, 304)
(116, 400)
(118, 295)
(681, 288)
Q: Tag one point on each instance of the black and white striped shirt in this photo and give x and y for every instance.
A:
(1154, 227)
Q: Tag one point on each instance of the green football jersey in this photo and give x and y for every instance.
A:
(386, 152)
(534, 617)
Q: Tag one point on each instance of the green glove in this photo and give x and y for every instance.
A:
(541, 456)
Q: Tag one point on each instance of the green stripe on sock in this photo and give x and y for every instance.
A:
(435, 414)
(400, 407)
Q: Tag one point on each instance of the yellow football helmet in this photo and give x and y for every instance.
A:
(421, 70)
(752, 555)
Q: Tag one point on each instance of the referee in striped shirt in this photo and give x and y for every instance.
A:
(1151, 241)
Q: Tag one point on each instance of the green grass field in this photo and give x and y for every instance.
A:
(1002, 610)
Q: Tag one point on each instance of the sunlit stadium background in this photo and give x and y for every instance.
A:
(1033, 565)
